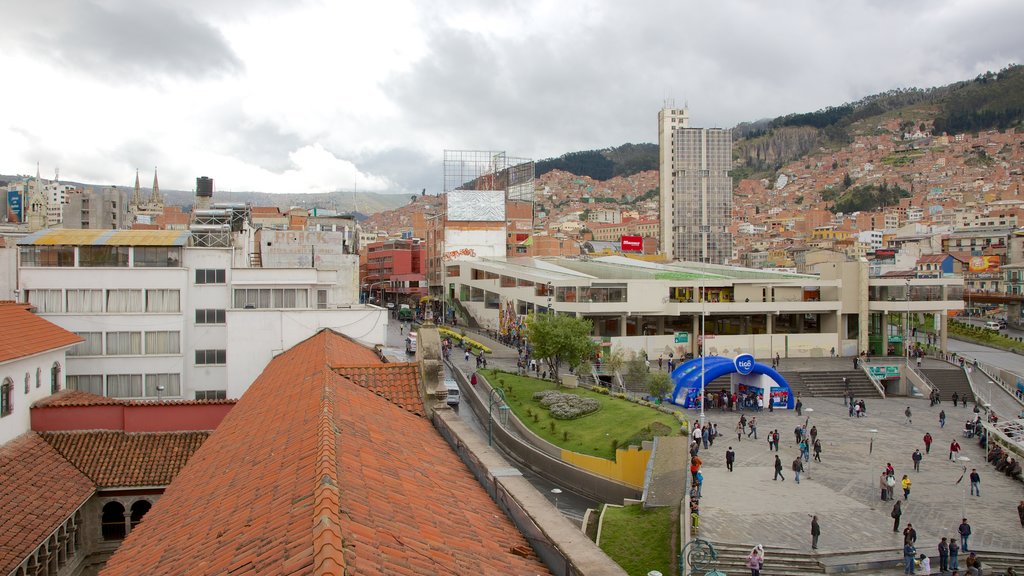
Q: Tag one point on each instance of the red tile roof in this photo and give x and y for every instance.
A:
(116, 459)
(34, 334)
(40, 490)
(312, 474)
(398, 382)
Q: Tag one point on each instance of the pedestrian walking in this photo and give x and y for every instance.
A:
(1020, 512)
(885, 489)
(755, 560)
(467, 354)
(954, 554)
(909, 534)
(890, 484)
(814, 434)
(775, 438)
(942, 418)
(917, 457)
(798, 467)
(778, 360)
(799, 406)
(965, 533)
(817, 451)
(954, 449)
(975, 482)
(739, 431)
(907, 414)
(956, 397)
(905, 482)
(730, 457)
(753, 427)
(897, 511)
(943, 556)
(815, 532)
(778, 469)
(927, 443)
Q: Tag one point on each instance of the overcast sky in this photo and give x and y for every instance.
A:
(317, 96)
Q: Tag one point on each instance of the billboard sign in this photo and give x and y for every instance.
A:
(744, 363)
(632, 244)
(14, 213)
(984, 263)
(682, 337)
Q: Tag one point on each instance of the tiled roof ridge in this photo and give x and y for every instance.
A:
(328, 554)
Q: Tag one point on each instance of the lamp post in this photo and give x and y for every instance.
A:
(810, 448)
(963, 488)
(556, 492)
(496, 398)
(906, 329)
(871, 449)
(160, 392)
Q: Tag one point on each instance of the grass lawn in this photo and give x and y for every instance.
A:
(639, 540)
(618, 422)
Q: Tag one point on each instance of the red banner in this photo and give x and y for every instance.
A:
(632, 244)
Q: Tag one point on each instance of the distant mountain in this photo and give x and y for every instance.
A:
(606, 164)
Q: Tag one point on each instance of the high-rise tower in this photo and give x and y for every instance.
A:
(696, 189)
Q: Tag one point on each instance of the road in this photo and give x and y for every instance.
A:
(570, 504)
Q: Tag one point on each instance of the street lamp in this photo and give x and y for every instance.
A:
(963, 488)
(556, 492)
(496, 397)
(906, 330)
(871, 448)
(807, 424)
(160, 392)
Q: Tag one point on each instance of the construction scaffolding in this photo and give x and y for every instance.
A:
(489, 170)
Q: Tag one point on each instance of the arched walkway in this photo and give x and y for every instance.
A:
(687, 377)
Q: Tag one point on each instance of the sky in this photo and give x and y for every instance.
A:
(317, 96)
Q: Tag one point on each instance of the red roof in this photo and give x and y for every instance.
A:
(79, 398)
(40, 490)
(115, 459)
(313, 474)
(34, 334)
(398, 382)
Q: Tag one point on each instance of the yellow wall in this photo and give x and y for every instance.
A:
(629, 465)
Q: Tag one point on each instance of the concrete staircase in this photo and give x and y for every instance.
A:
(948, 381)
(830, 384)
(796, 383)
(732, 559)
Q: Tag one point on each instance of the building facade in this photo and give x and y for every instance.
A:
(696, 189)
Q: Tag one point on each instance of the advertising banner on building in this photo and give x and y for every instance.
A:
(984, 263)
(632, 244)
(14, 213)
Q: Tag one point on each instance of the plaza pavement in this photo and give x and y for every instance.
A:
(747, 507)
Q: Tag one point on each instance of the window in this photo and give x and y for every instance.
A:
(165, 342)
(92, 346)
(271, 298)
(84, 300)
(124, 343)
(124, 301)
(112, 521)
(124, 385)
(91, 383)
(210, 276)
(211, 394)
(211, 357)
(39, 377)
(139, 509)
(48, 256)
(103, 256)
(321, 299)
(210, 316)
(6, 397)
(46, 300)
(163, 301)
(55, 378)
(171, 384)
(157, 256)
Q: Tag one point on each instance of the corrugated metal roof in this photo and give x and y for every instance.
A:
(67, 237)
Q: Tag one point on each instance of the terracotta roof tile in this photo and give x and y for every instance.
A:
(116, 459)
(40, 490)
(313, 474)
(35, 334)
(398, 382)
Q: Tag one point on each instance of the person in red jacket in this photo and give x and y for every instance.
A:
(927, 442)
(954, 450)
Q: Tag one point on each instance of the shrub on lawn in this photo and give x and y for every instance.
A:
(566, 406)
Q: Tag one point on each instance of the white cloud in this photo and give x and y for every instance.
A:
(316, 95)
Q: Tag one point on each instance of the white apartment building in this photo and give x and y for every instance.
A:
(162, 317)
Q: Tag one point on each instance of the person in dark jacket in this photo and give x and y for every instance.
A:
(897, 511)
(815, 532)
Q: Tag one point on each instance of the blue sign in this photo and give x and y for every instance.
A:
(744, 363)
(13, 206)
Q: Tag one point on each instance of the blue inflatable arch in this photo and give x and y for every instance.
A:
(687, 377)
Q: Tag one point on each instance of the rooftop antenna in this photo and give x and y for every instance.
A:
(355, 198)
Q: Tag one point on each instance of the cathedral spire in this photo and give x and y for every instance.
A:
(137, 194)
(155, 197)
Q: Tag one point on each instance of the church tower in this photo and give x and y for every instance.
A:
(155, 199)
(136, 195)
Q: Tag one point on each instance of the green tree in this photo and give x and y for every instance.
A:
(658, 384)
(847, 181)
(558, 339)
(637, 372)
(615, 359)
